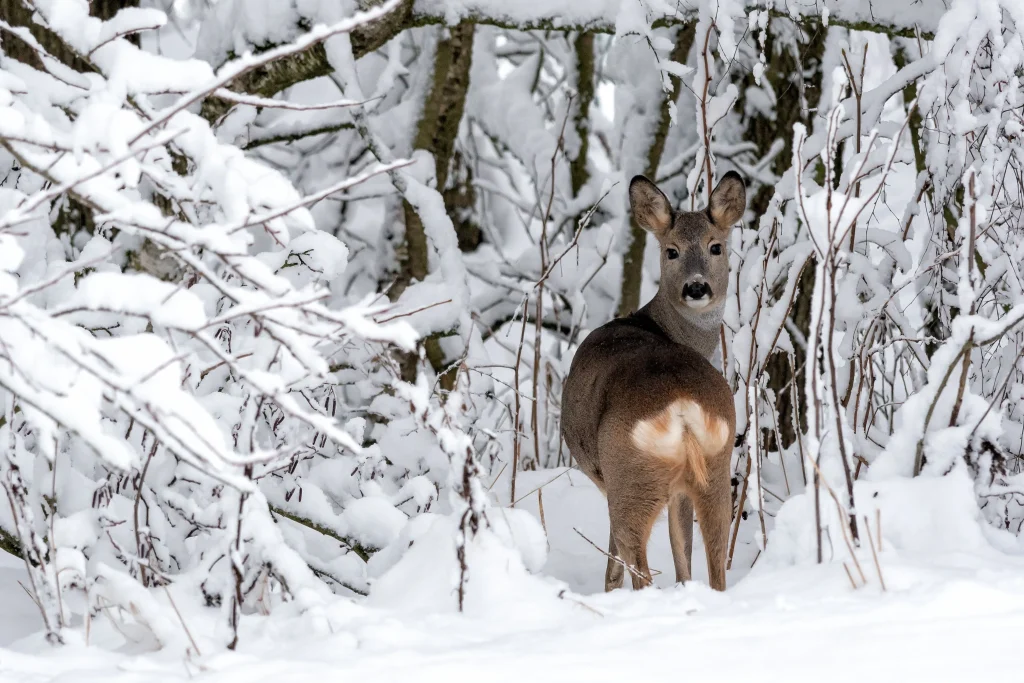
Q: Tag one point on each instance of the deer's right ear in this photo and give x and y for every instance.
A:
(650, 206)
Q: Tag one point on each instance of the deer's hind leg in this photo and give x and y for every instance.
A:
(632, 518)
(636, 496)
(637, 491)
(615, 572)
(680, 535)
(714, 514)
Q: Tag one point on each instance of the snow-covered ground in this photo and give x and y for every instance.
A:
(18, 615)
(943, 617)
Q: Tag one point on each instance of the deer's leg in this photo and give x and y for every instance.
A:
(714, 512)
(614, 574)
(680, 535)
(637, 492)
(633, 510)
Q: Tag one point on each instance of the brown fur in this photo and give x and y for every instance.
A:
(644, 413)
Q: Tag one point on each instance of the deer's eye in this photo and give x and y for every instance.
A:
(672, 254)
(716, 249)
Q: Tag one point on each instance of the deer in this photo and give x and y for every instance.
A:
(645, 414)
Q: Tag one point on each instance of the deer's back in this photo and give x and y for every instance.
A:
(629, 370)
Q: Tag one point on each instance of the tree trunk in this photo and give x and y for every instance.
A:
(436, 133)
(578, 170)
(787, 73)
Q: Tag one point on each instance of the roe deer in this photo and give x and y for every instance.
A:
(645, 414)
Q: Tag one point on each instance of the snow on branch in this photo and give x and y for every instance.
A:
(617, 17)
(176, 397)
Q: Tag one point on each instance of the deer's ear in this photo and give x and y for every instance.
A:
(728, 201)
(650, 206)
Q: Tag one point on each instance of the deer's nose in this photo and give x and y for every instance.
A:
(697, 289)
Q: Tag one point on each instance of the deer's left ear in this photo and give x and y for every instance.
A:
(728, 201)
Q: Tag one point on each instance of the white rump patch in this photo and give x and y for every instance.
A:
(683, 433)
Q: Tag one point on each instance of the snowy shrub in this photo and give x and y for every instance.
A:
(288, 289)
(157, 424)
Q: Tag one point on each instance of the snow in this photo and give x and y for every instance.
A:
(139, 295)
(20, 615)
(781, 621)
(265, 362)
(373, 521)
(924, 13)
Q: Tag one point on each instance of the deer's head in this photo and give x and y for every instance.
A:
(694, 244)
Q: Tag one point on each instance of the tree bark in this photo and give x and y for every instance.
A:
(282, 74)
(795, 79)
(17, 13)
(313, 63)
(578, 170)
(787, 72)
(436, 133)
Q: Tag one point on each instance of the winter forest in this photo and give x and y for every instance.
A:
(290, 291)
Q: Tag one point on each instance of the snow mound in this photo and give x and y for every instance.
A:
(922, 515)
(500, 559)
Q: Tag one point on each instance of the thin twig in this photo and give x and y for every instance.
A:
(143, 562)
(413, 312)
(850, 576)
(270, 103)
(842, 515)
(517, 441)
(739, 513)
(540, 509)
(878, 525)
(497, 476)
(182, 620)
(615, 558)
(557, 476)
(30, 595)
(562, 596)
(874, 554)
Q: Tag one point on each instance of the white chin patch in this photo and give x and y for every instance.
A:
(697, 303)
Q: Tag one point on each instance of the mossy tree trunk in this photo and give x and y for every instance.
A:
(281, 74)
(436, 133)
(579, 172)
(795, 75)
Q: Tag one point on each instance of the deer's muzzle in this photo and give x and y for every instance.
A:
(697, 290)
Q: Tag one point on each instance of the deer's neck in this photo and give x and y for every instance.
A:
(699, 330)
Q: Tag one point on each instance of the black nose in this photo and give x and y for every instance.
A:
(696, 290)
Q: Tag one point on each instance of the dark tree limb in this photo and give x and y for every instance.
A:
(9, 543)
(282, 74)
(313, 63)
(18, 13)
(362, 552)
